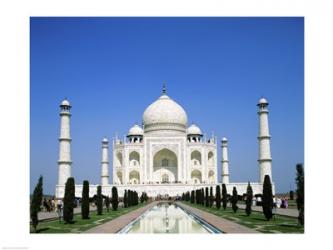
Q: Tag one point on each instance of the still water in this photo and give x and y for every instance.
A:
(167, 218)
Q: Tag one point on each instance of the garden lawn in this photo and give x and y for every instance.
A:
(257, 220)
(81, 225)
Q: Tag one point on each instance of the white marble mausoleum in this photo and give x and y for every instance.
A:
(164, 155)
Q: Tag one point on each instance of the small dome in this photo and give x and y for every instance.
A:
(65, 103)
(165, 112)
(105, 139)
(263, 101)
(193, 130)
(135, 130)
(224, 139)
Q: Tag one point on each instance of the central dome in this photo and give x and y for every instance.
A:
(164, 114)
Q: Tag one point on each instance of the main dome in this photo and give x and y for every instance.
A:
(164, 114)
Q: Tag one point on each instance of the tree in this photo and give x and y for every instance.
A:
(211, 197)
(107, 203)
(267, 198)
(249, 197)
(202, 196)
(218, 197)
(36, 203)
(114, 199)
(192, 196)
(69, 201)
(291, 195)
(224, 196)
(234, 199)
(125, 198)
(85, 207)
(99, 200)
(300, 192)
(130, 198)
(207, 197)
(136, 198)
(142, 197)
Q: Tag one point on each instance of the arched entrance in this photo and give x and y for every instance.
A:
(196, 176)
(165, 167)
(134, 177)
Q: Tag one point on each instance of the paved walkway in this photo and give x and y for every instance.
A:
(281, 211)
(53, 215)
(223, 225)
(120, 222)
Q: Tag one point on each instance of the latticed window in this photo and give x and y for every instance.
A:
(165, 163)
(165, 178)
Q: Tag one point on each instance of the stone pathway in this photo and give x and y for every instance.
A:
(226, 226)
(53, 215)
(120, 222)
(281, 211)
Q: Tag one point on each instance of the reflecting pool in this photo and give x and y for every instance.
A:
(168, 218)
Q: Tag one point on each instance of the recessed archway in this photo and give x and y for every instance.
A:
(196, 158)
(119, 159)
(211, 176)
(134, 159)
(165, 164)
(134, 177)
(196, 176)
(119, 177)
(211, 160)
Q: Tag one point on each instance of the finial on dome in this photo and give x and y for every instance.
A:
(164, 88)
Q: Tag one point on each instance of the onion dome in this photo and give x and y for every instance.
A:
(65, 103)
(193, 130)
(105, 139)
(224, 139)
(164, 114)
(135, 130)
(262, 101)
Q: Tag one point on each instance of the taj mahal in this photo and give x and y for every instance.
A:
(164, 156)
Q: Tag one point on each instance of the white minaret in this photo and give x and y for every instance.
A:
(105, 162)
(64, 162)
(265, 159)
(225, 161)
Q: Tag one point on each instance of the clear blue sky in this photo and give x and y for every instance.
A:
(111, 69)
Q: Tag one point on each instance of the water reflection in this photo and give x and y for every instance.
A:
(167, 218)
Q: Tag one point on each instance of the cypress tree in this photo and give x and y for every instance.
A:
(218, 197)
(99, 200)
(125, 199)
(224, 196)
(267, 198)
(234, 199)
(136, 198)
(107, 203)
(130, 198)
(211, 197)
(249, 197)
(207, 197)
(197, 196)
(300, 192)
(85, 200)
(202, 196)
(36, 203)
(142, 197)
(114, 199)
(192, 196)
(69, 200)
(291, 195)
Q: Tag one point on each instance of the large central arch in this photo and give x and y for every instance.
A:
(165, 168)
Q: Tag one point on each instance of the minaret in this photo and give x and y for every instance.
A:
(225, 161)
(105, 162)
(265, 160)
(64, 162)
